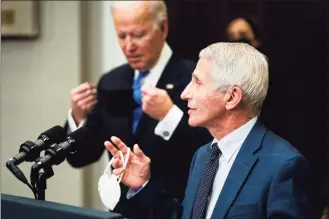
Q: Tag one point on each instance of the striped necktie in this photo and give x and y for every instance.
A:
(204, 190)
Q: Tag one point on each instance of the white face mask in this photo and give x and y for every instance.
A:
(109, 184)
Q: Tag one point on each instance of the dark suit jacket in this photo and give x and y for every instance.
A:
(269, 179)
(112, 116)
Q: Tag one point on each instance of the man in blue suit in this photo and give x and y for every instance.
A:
(247, 171)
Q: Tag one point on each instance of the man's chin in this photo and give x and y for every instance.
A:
(138, 66)
(193, 123)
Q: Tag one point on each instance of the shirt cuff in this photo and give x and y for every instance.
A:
(131, 193)
(71, 123)
(167, 126)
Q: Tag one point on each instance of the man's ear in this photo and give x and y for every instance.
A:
(164, 29)
(233, 97)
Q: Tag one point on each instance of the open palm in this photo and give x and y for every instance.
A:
(137, 171)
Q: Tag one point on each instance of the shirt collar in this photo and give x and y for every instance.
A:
(234, 140)
(155, 73)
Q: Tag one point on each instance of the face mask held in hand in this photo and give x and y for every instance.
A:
(109, 184)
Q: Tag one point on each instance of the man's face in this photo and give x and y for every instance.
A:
(206, 105)
(240, 30)
(139, 40)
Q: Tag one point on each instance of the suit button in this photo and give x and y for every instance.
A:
(165, 133)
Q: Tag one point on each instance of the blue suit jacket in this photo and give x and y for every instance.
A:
(269, 179)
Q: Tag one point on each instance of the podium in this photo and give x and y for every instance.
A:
(16, 207)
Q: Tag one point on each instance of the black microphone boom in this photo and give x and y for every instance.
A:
(56, 153)
(30, 151)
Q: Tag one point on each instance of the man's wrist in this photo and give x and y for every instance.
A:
(138, 189)
(77, 119)
(132, 192)
(72, 124)
(170, 106)
(143, 185)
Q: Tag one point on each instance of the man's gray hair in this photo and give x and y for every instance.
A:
(158, 9)
(241, 65)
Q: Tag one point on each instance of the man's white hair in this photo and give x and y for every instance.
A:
(241, 65)
(158, 9)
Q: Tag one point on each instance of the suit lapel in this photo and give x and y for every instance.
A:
(169, 79)
(240, 170)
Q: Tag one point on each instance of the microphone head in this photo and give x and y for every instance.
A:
(56, 134)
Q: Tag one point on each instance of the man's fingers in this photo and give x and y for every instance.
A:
(117, 163)
(82, 88)
(86, 101)
(90, 106)
(145, 88)
(148, 89)
(118, 171)
(90, 93)
(146, 98)
(138, 152)
(113, 150)
(121, 146)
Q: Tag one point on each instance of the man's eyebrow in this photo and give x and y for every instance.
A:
(196, 77)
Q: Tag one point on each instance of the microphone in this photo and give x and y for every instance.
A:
(30, 151)
(56, 153)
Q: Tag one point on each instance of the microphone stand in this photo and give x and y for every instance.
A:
(39, 179)
(54, 155)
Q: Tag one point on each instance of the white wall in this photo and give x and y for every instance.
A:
(111, 52)
(37, 77)
(77, 43)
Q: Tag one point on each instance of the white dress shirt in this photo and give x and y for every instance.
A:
(229, 146)
(166, 127)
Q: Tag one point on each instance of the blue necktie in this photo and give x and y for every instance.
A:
(204, 191)
(137, 94)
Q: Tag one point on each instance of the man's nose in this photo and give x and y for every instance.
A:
(186, 94)
(130, 45)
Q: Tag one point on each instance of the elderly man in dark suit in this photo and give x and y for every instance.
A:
(140, 101)
(246, 171)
